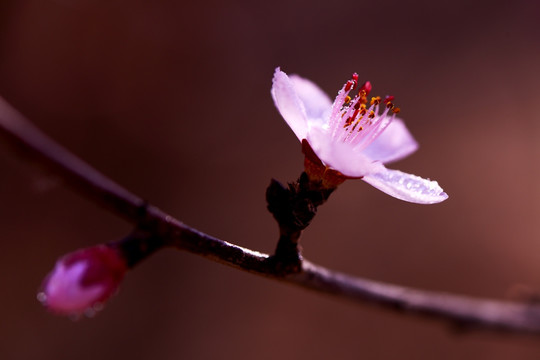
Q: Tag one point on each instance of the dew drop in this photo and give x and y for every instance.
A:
(89, 312)
(42, 297)
(98, 306)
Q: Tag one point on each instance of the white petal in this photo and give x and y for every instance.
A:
(407, 187)
(317, 104)
(289, 104)
(394, 143)
(340, 156)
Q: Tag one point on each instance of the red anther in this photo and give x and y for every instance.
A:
(366, 87)
(388, 99)
(353, 83)
(355, 79)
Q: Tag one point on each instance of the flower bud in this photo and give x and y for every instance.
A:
(82, 280)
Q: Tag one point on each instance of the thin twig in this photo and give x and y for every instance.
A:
(463, 311)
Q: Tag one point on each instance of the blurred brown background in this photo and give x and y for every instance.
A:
(171, 99)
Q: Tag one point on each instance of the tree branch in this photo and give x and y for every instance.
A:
(163, 230)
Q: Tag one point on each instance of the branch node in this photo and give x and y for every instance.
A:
(293, 207)
(137, 246)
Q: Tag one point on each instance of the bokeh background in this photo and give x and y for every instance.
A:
(171, 99)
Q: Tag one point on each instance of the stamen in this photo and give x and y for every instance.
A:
(355, 113)
(348, 122)
(340, 108)
(362, 95)
(355, 125)
(366, 88)
(353, 83)
(352, 121)
(388, 99)
(363, 109)
(378, 125)
(355, 79)
(375, 100)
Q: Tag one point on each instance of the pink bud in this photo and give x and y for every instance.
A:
(83, 279)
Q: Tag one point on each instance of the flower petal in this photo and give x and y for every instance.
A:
(394, 143)
(317, 104)
(289, 104)
(406, 187)
(63, 291)
(340, 156)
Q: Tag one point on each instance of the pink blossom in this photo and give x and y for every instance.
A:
(351, 138)
(82, 280)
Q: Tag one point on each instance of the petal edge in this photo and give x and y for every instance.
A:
(407, 187)
(289, 104)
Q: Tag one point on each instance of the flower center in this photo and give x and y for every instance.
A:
(352, 121)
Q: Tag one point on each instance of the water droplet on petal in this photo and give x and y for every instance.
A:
(42, 297)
